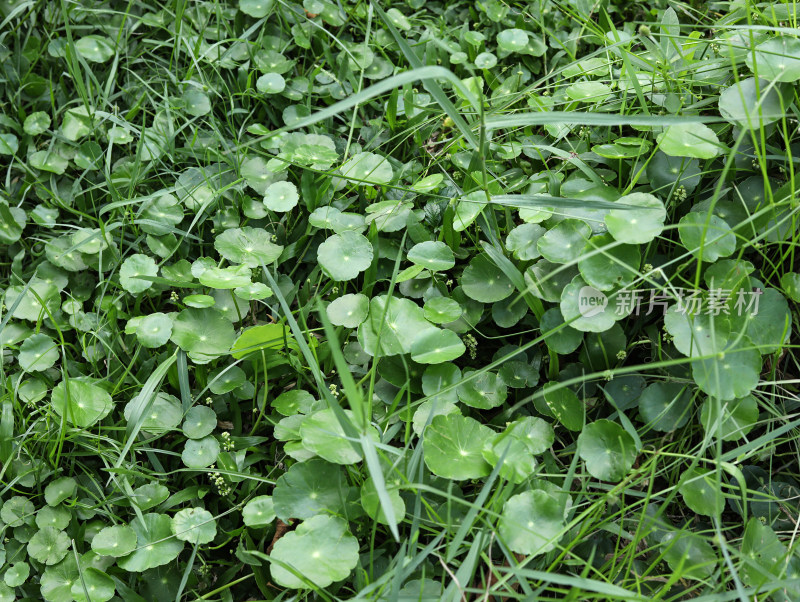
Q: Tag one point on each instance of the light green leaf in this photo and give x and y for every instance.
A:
(607, 449)
(321, 549)
(156, 545)
(195, 525)
(344, 256)
(532, 522)
(690, 140)
(453, 447)
(258, 512)
(637, 226)
(81, 402)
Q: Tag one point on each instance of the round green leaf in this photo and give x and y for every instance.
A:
(59, 490)
(17, 574)
(372, 503)
(565, 406)
(701, 491)
(48, 545)
(100, 586)
(453, 447)
(36, 123)
(330, 218)
(689, 555)
(607, 450)
(442, 310)
(746, 104)
(154, 330)
(81, 403)
(710, 234)
(132, 268)
(771, 326)
(790, 282)
(484, 282)
(271, 83)
(265, 337)
(348, 310)
(97, 49)
(250, 246)
(440, 376)
(226, 278)
(9, 144)
(256, 8)
(615, 266)
(195, 525)
(149, 496)
(594, 92)
(731, 374)
(258, 512)
(512, 40)
(585, 308)
(76, 124)
(566, 339)
(310, 488)
(203, 333)
(322, 434)
(17, 511)
(699, 334)
(344, 256)
(776, 59)
(689, 140)
(57, 581)
(57, 517)
(163, 414)
(116, 541)
(369, 168)
(522, 241)
(468, 208)
(321, 549)
(564, 243)
(485, 60)
(226, 379)
(296, 401)
(196, 102)
(199, 453)
(518, 462)
(638, 225)
(435, 256)
(437, 347)
(48, 161)
(253, 291)
(733, 420)
(485, 391)
(665, 406)
(37, 353)
(199, 301)
(532, 522)
(200, 421)
(155, 543)
(430, 408)
(281, 197)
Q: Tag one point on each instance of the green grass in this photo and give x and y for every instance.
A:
(292, 301)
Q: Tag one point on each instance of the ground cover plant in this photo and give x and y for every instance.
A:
(399, 300)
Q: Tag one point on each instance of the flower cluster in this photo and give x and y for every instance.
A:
(471, 343)
(223, 489)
